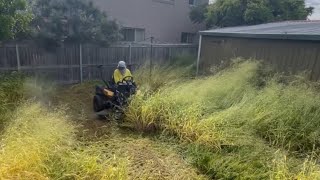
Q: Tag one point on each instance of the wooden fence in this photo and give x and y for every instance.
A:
(77, 63)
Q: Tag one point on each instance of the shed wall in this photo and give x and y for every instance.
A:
(285, 55)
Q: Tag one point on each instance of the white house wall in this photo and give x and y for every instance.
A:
(165, 20)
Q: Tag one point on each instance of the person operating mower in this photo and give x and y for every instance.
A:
(122, 74)
(116, 93)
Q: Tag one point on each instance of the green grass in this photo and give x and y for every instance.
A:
(11, 95)
(51, 133)
(164, 74)
(39, 141)
(287, 116)
(243, 122)
(237, 121)
(41, 144)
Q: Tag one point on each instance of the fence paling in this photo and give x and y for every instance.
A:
(81, 70)
(18, 58)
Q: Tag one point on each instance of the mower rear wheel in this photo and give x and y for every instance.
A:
(97, 103)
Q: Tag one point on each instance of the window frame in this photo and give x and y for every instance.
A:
(124, 36)
(134, 34)
(171, 2)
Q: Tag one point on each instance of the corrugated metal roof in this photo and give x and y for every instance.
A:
(297, 30)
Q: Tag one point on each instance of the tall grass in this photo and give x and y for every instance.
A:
(236, 119)
(41, 144)
(152, 78)
(287, 116)
(29, 139)
(15, 88)
(11, 94)
(302, 170)
(11, 90)
(178, 108)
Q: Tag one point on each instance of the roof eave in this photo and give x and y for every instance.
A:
(265, 36)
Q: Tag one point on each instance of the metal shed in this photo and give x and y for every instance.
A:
(291, 46)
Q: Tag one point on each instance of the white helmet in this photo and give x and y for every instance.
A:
(122, 64)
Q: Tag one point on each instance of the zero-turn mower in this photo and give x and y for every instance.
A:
(111, 98)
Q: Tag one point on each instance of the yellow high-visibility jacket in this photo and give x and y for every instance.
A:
(118, 77)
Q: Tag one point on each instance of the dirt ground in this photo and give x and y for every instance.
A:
(148, 156)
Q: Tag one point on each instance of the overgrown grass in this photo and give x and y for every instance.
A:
(16, 88)
(179, 107)
(11, 94)
(41, 141)
(165, 74)
(241, 123)
(41, 144)
(236, 121)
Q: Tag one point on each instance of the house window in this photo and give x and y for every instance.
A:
(187, 37)
(133, 34)
(192, 2)
(128, 34)
(139, 35)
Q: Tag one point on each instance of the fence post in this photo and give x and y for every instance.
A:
(130, 54)
(199, 54)
(18, 58)
(81, 68)
(151, 56)
(170, 56)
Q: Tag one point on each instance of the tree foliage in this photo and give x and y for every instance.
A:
(76, 21)
(14, 18)
(224, 13)
(197, 15)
